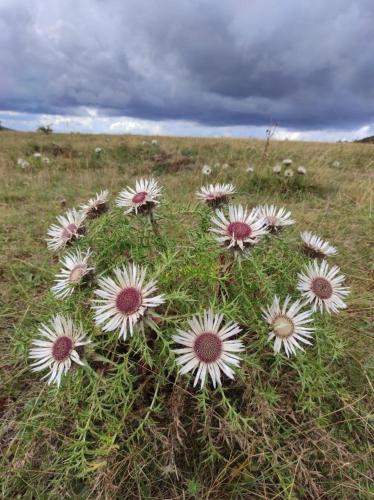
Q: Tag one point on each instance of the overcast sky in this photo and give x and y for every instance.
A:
(189, 67)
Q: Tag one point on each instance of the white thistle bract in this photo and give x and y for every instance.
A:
(289, 326)
(275, 218)
(70, 227)
(56, 349)
(250, 170)
(287, 162)
(322, 287)
(315, 246)
(277, 169)
(142, 199)
(125, 300)
(97, 205)
(74, 271)
(206, 348)
(216, 195)
(241, 230)
(301, 170)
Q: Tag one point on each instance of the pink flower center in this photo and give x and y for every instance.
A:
(62, 348)
(128, 300)
(69, 231)
(208, 347)
(322, 288)
(239, 230)
(139, 197)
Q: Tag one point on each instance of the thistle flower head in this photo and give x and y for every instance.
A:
(141, 199)
(97, 205)
(206, 170)
(322, 287)
(216, 195)
(125, 299)
(288, 172)
(315, 246)
(241, 230)
(70, 226)
(287, 162)
(288, 325)
(206, 348)
(74, 272)
(275, 218)
(56, 349)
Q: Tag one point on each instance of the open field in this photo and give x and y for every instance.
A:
(128, 426)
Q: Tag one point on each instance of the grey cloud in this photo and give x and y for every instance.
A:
(303, 64)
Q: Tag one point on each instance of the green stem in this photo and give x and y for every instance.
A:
(154, 224)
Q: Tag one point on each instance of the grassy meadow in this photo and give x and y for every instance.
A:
(128, 426)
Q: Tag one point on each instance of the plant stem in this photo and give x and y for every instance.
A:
(224, 267)
(154, 224)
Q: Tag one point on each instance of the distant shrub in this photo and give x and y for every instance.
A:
(45, 129)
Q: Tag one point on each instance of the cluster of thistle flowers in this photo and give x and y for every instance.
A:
(206, 170)
(38, 156)
(126, 300)
(277, 169)
(288, 172)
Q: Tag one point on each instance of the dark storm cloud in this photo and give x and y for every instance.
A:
(303, 64)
